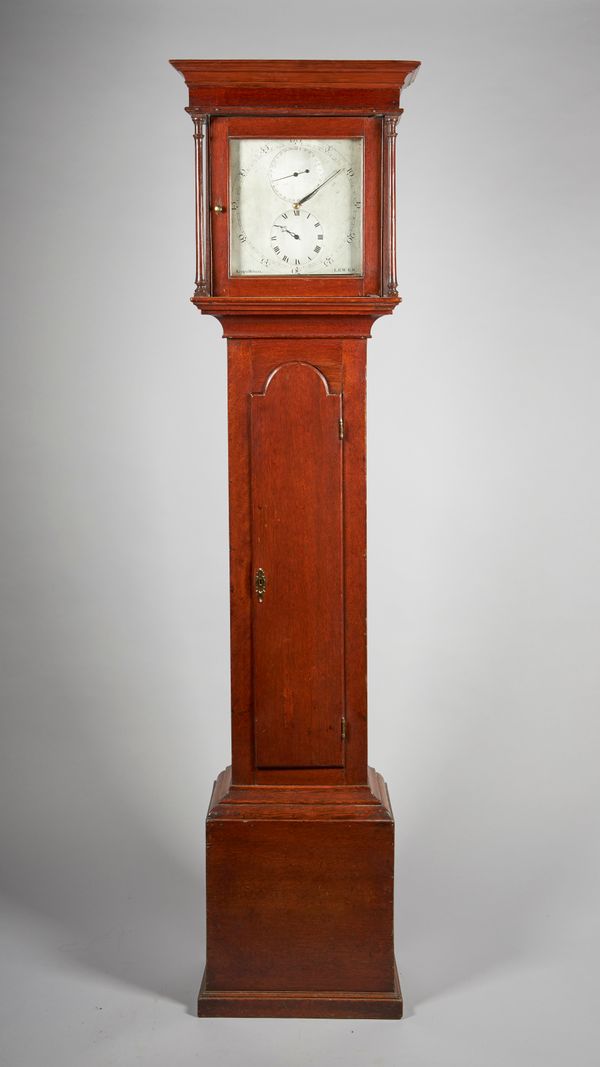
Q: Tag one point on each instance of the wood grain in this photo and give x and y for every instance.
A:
(298, 85)
(300, 899)
(300, 831)
(304, 1005)
(297, 541)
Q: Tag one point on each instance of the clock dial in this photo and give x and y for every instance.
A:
(297, 238)
(294, 172)
(321, 229)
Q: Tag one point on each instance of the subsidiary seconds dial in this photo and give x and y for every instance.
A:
(294, 171)
(297, 238)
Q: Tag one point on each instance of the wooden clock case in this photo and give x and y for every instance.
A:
(299, 831)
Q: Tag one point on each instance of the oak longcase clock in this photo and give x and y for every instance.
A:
(295, 255)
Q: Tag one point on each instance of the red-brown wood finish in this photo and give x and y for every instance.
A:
(203, 261)
(300, 899)
(342, 364)
(300, 832)
(369, 284)
(390, 281)
(300, 902)
(296, 455)
(311, 86)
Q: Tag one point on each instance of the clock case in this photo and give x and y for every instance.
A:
(299, 831)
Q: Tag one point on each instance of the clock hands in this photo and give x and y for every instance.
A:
(296, 236)
(308, 237)
(293, 175)
(308, 195)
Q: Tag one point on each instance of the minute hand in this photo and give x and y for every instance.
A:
(308, 195)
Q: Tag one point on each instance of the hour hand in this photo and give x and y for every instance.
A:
(296, 236)
(308, 195)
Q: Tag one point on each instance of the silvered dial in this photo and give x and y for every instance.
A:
(297, 238)
(320, 230)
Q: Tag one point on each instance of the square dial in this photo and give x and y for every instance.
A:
(295, 206)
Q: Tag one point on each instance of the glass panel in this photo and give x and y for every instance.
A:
(296, 206)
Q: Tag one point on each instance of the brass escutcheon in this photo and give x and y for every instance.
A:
(260, 584)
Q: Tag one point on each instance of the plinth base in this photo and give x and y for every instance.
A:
(299, 896)
(302, 1005)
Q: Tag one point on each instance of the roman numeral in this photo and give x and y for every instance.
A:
(317, 248)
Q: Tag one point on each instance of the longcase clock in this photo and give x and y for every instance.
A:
(295, 256)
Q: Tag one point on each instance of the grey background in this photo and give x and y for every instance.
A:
(484, 509)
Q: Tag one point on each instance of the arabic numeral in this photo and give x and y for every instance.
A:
(234, 205)
(243, 173)
(242, 237)
(264, 261)
(327, 262)
(357, 203)
(350, 237)
(265, 149)
(350, 172)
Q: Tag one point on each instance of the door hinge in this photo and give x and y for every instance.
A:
(343, 729)
(341, 429)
